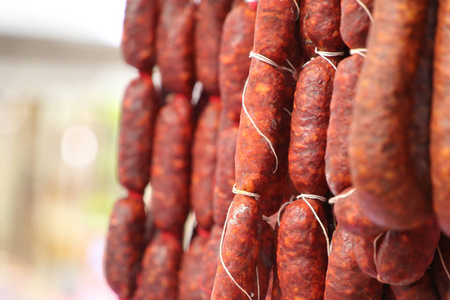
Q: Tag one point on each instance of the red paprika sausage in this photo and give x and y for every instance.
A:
(355, 22)
(175, 46)
(240, 251)
(209, 263)
(441, 267)
(160, 267)
(139, 110)
(422, 289)
(381, 168)
(440, 128)
(344, 279)
(302, 251)
(125, 245)
(171, 164)
(204, 151)
(139, 33)
(210, 16)
(266, 259)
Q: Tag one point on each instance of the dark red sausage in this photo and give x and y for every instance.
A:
(204, 150)
(302, 251)
(422, 289)
(379, 154)
(210, 16)
(171, 163)
(175, 46)
(139, 110)
(309, 127)
(125, 245)
(160, 267)
(345, 280)
(237, 37)
(351, 217)
(190, 269)
(355, 22)
(209, 263)
(363, 248)
(139, 33)
(240, 251)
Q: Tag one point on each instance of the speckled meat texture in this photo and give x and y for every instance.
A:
(379, 155)
(237, 37)
(171, 164)
(209, 263)
(440, 127)
(440, 276)
(204, 156)
(302, 251)
(322, 22)
(305, 42)
(355, 22)
(309, 127)
(125, 245)
(264, 96)
(422, 289)
(363, 249)
(175, 46)
(160, 267)
(351, 217)
(139, 33)
(210, 15)
(139, 108)
(344, 279)
(402, 257)
(419, 127)
(223, 189)
(240, 251)
(266, 259)
(191, 269)
(337, 166)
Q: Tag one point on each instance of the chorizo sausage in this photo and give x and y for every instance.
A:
(175, 46)
(440, 274)
(302, 251)
(209, 262)
(240, 251)
(439, 139)
(380, 165)
(171, 164)
(266, 260)
(422, 289)
(355, 22)
(125, 245)
(204, 151)
(139, 33)
(344, 278)
(139, 110)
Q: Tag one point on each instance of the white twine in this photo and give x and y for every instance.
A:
(298, 9)
(257, 129)
(257, 282)
(366, 10)
(245, 193)
(196, 93)
(359, 51)
(303, 197)
(287, 110)
(341, 196)
(221, 258)
(443, 263)
(307, 63)
(375, 256)
(326, 54)
(272, 63)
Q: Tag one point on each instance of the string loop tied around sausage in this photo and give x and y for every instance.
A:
(366, 10)
(298, 10)
(304, 197)
(375, 241)
(270, 62)
(326, 54)
(360, 51)
(221, 257)
(260, 133)
(443, 263)
(245, 193)
(341, 196)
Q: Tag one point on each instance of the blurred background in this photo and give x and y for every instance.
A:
(61, 84)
